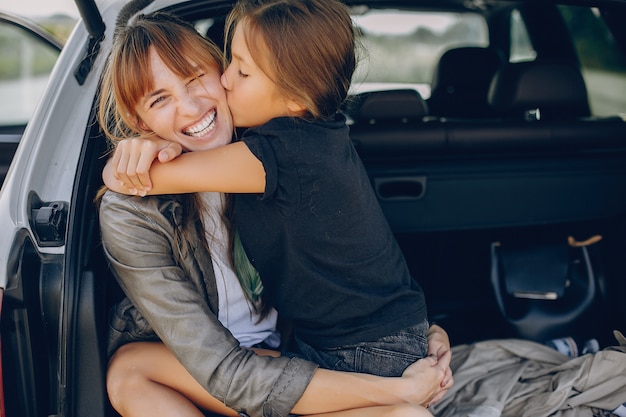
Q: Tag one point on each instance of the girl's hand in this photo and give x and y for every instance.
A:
(128, 170)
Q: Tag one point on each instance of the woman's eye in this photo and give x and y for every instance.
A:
(196, 78)
(156, 101)
(242, 75)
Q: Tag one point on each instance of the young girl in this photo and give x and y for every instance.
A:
(172, 264)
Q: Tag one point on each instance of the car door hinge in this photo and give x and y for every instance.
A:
(49, 222)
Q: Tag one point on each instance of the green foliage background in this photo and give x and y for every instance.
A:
(18, 59)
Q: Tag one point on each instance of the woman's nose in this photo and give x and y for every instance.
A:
(189, 105)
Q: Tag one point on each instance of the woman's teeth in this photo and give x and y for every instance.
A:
(202, 128)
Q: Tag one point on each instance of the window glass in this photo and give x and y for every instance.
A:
(521, 48)
(24, 69)
(602, 62)
(401, 49)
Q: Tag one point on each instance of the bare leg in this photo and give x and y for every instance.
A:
(146, 379)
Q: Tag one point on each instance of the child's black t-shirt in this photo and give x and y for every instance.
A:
(326, 254)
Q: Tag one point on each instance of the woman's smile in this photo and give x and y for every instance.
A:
(204, 127)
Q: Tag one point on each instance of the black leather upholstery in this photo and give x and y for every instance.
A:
(556, 89)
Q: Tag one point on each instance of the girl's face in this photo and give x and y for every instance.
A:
(192, 112)
(253, 97)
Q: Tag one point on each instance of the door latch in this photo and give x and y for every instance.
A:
(49, 223)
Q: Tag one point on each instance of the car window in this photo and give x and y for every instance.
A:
(521, 47)
(603, 64)
(403, 48)
(25, 63)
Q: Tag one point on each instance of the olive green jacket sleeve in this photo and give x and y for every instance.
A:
(169, 279)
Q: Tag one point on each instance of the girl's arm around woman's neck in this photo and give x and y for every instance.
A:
(229, 169)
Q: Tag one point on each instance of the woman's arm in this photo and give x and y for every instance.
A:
(231, 168)
(424, 383)
(420, 384)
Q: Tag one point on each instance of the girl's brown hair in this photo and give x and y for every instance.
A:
(311, 44)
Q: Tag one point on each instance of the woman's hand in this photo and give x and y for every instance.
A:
(128, 170)
(427, 379)
(438, 347)
(438, 343)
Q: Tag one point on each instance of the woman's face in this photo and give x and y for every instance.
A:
(193, 111)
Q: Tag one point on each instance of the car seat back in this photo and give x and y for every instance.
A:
(461, 82)
(539, 90)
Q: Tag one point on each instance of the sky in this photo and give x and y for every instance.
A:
(402, 23)
(42, 8)
(39, 8)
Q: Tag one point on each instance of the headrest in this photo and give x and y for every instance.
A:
(466, 66)
(556, 89)
(387, 106)
(461, 82)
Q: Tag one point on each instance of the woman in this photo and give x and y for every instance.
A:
(158, 251)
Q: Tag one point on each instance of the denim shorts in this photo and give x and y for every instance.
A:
(387, 356)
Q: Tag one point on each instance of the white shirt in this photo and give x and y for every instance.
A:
(236, 312)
